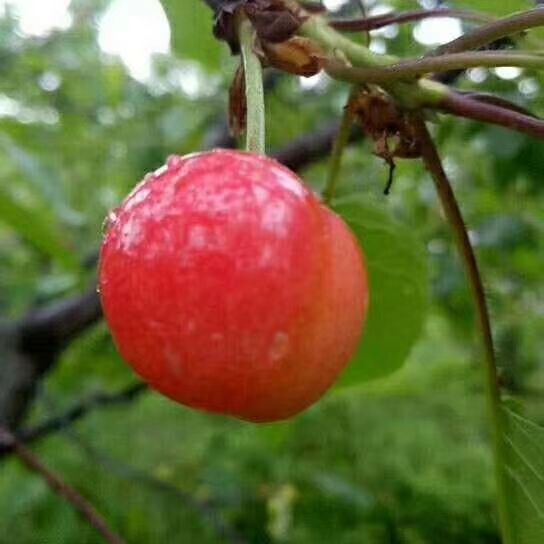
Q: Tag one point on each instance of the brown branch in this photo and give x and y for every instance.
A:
(50, 328)
(60, 487)
(493, 31)
(470, 108)
(489, 98)
(311, 147)
(380, 21)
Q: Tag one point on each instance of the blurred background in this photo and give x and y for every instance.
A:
(94, 94)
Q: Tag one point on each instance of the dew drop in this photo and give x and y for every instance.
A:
(173, 161)
(162, 169)
(109, 221)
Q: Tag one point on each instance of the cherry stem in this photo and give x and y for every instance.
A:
(415, 68)
(494, 31)
(253, 73)
(340, 143)
(380, 21)
(421, 93)
(433, 163)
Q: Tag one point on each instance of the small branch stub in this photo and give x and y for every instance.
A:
(297, 55)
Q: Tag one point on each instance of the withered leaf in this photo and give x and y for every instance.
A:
(297, 55)
(238, 104)
(273, 22)
(273, 25)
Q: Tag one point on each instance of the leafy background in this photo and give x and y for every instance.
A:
(401, 459)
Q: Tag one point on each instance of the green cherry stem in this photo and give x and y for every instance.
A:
(415, 68)
(410, 95)
(349, 61)
(433, 163)
(253, 73)
(340, 143)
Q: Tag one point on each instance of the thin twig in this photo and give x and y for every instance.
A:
(411, 69)
(61, 488)
(433, 163)
(340, 143)
(79, 411)
(494, 31)
(380, 21)
(489, 98)
(470, 108)
(64, 424)
(207, 509)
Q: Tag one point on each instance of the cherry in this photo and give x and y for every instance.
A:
(229, 287)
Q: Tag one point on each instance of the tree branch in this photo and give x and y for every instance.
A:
(471, 108)
(494, 31)
(380, 21)
(412, 69)
(60, 487)
(48, 329)
(311, 147)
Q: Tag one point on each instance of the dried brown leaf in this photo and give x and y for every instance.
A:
(237, 104)
(297, 55)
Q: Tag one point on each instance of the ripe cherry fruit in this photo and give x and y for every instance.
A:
(229, 287)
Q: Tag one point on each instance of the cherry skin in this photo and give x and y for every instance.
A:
(229, 287)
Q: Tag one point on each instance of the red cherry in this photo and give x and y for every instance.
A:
(229, 287)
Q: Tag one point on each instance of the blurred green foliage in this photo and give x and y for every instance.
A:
(400, 460)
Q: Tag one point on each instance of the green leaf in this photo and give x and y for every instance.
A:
(191, 23)
(525, 469)
(37, 229)
(399, 288)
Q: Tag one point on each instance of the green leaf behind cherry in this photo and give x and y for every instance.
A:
(399, 288)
